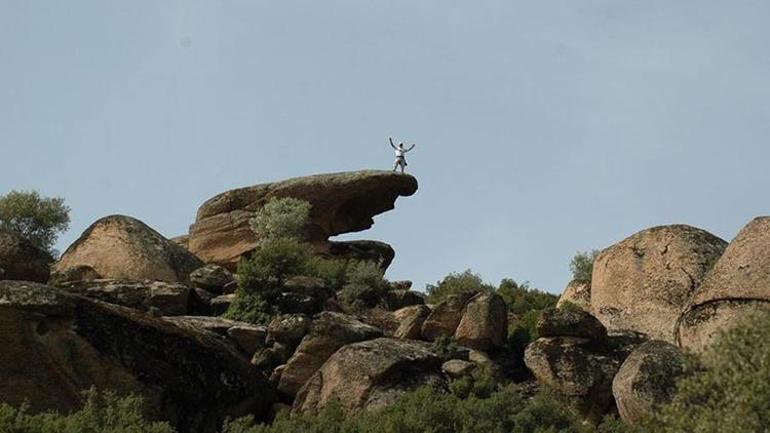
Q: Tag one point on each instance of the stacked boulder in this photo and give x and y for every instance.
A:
(738, 284)
(20, 260)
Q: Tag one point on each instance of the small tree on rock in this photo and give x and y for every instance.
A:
(582, 265)
(38, 219)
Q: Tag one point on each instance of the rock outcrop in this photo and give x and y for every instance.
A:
(170, 299)
(581, 364)
(647, 379)
(445, 317)
(484, 323)
(212, 278)
(121, 247)
(738, 284)
(329, 332)
(644, 283)
(560, 322)
(56, 345)
(410, 321)
(20, 260)
(370, 375)
(342, 203)
(577, 293)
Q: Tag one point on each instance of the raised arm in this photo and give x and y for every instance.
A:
(410, 148)
(391, 143)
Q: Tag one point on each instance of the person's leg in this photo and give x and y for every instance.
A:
(395, 165)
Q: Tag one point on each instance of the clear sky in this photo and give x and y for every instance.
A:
(543, 127)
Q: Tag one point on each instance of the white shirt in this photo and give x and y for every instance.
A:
(400, 152)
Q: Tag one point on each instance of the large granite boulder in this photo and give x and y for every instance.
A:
(370, 375)
(342, 203)
(647, 379)
(121, 247)
(577, 369)
(484, 323)
(577, 293)
(445, 316)
(170, 299)
(247, 337)
(644, 283)
(20, 260)
(212, 278)
(360, 250)
(56, 345)
(328, 332)
(410, 321)
(738, 284)
(570, 322)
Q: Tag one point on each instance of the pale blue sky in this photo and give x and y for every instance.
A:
(543, 127)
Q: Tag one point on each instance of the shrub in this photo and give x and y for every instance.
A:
(273, 263)
(480, 384)
(37, 219)
(101, 413)
(728, 386)
(364, 285)
(521, 299)
(582, 265)
(252, 308)
(445, 347)
(431, 410)
(455, 283)
(282, 218)
(332, 272)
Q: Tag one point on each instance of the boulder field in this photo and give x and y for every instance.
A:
(129, 310)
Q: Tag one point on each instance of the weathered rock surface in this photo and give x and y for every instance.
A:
(362, 250)
(647, 379)
(397, 299)
(247, 337)
(644, 283)
(577, 293)
(410, 321)
(342, 203)
(20, 260)
(212, 278)
(170, 299)
(370, 375)
(575, 368)
(288, 329)
(484, 323)
(457, 368)
(570, 323)
(738, 284)
(329, 332)
(445, 317)
(121, 247)
(57, 344)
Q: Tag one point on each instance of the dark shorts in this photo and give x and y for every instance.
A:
(401, 160)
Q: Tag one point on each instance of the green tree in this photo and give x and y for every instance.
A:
(456, 283)
(37, 219)
(281, 218)
(582, 265)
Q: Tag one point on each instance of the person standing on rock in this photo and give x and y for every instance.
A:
(400, 152)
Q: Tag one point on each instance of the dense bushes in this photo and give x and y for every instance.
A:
(102, 413)
(430, 410)
(455, 283)
(39, 220)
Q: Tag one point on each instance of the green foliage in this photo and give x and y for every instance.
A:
(456, 283)
(332, 272)
(252, 308)
(521, 299)
(282, 218)
(728, 386)
(37, 219)
(364, 286)
(445, 347)
(101, 413)
(523, 331)
(582, 265)
(430, 410)
(480, 384)
(273, 263)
